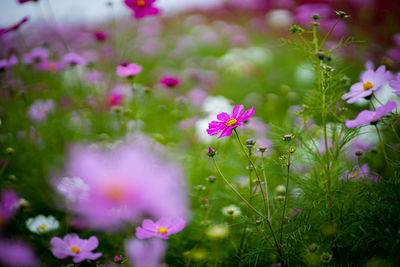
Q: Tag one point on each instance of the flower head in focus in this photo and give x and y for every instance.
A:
(128, 70)
(371, 81)
(72, 245)
(226, 123)
(145, 253)
(162, 228)
(142, 8)
(41, 224)
(369, 116)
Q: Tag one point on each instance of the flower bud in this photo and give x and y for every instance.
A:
(118, 259)
(9, 151)
(287, 137)
(326, 257)
(312, 248)
(211, 179)
(295, 28)
(359, 153)
(262, 149)
(342, 14)
(211, 152)
(315, 17)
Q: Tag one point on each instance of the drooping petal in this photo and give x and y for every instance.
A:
(226, 132)
(385, 109)
(91, 243)
(237, 110)
(179, 224)
(143, 233)
(363, 118)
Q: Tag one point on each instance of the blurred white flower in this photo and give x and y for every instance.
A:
(41, 224)
(231, 211)
(73, 189)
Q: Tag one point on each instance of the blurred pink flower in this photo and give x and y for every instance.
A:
(395, 84)
(358, 146)
(226, 123)
(142, 8)
(39, 110)
(26, 1)
(14, 26)
(72, 245)
(6, 63)
(145, 253)
(101, 36)
(369, 116)
(115, 99)
(124, 184)
(128, 69)
(394, 52)
(93, 76)
(169, 81)
(16, 254)
(371, 81)
(360, 173)
(8, 206)
(74, 59)
(162, 228)
(51, 66)
(36, 55)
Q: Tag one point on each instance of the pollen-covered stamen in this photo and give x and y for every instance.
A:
(231, 122)
(75, 250)
(367, 86)
(162, 230)
(42, 227)
(140, 3)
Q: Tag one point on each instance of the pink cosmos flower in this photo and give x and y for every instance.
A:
(360, 173)
(369, 116)
(371, 81)
(8, 206)
(163, 228)
(6, 63)
(142, 8)
(101, 36)
(128, 69)
(358, 146)
(17, 254)
(74, 59)
(72, 245)
(169, 81)
(145, 253)
(115, 99)
(51, 66)
(39, 110)
(226, 123)
(93, 76)
(395, 84)
(36, 55)
(122, 185)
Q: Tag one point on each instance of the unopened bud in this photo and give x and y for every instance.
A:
(211, 152)
(287, 137)
(315, 17)
(262, 148)
(9, 151)
(118, 259)
(211, 179)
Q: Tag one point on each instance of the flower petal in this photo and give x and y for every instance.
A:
(246, 115)
(226, 132)
(223, 116)
(237, 110)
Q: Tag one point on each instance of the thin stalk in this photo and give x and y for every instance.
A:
(286, 192)
(382, 145)
(329, 33)
(255, 170)
(266, 186)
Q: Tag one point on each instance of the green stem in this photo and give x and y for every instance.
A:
(266, 186)
(286, 192)
(329, 33)
(382, 145)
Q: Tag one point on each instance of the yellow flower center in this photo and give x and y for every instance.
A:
(354, 174)
(162, 230)
(367, 86)
(75, 250)
(42, 227)
(231, 122)
(115, 193)
(140, 3)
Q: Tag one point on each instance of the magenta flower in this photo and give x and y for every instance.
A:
(142, 8)
(371, 81)
(122, 185)
(16, 254)
(100, 36)
(51, 66)
(115, 99)
(39, 110)
(369, 116)
(145, 253)
(6, 63)
(163, 228)
(395, 84)
(226, 123)
(360, 173)
(8, 206)
(128, 69)
(169, 81)
(72, 245)
(36, 55)
(74, 59)
(26, 1)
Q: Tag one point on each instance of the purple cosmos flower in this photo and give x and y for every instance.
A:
(394, 52)
(358, 146)
(360, 173)
(395, 84)
(226, 123)
(74, 59)
(142, 8)
(93, 76)
(145, 253)
(163, 228)
(100, 36)
(72, 245)
(169, 81)
(371, 81)
(6, 63)
(39, 110)
(51, 66)
(128, 69)
(36, 55)
(8, 206)
(17, 254)
(369, 116)
(122, 185)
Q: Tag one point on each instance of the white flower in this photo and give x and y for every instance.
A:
(41, 224)
(231, 211)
